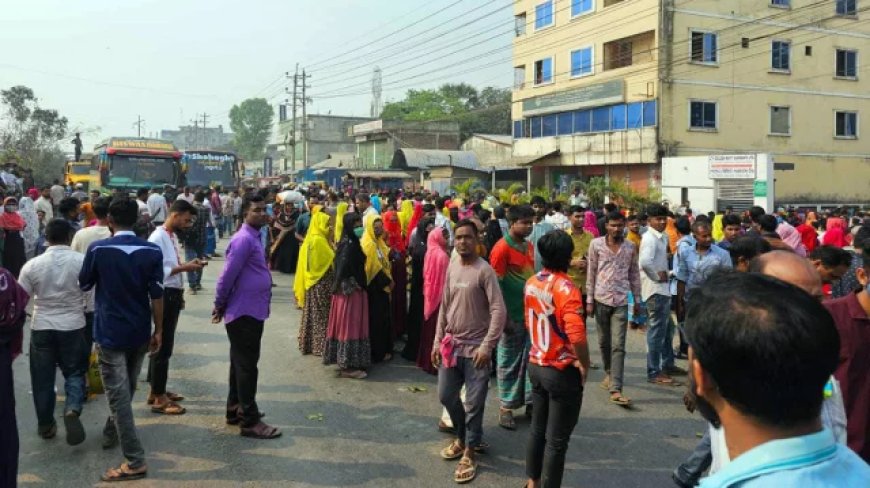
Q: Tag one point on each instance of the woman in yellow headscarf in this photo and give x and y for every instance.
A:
(379, 281)
(406, 211)
(314, 284)
(718, 228)
(340, 210)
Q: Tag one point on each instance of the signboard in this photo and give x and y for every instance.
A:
(588, 96)
(759, 189)
(731, 167)
(153, 144)
(368, 127)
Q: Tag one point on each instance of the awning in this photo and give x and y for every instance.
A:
(381, 175)
(527, 160)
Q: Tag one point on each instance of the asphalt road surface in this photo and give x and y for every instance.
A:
(341, 432)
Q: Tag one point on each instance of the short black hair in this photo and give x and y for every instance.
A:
(499, 212)
(748, 248)
(700, 224)
(730, 219)
(702, 218)
(657, 210)
(142, 191)
(614, 215)
(767, 223)
(632, 218)
(862, 238)
(182, 206)
(124, 212)
(519, 212)
(428, 207)
(755, 213)
(58, 231)
(246, 203)
(576, 208)
(683, 226)
(100, 206)
(68, 204)
(538, 200)
(199, 196)
(761, 339)
(555, 248)
(610, 207)
(832, 256)
(466, 223)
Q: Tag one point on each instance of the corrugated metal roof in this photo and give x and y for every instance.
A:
(433, 158)
(380, 175)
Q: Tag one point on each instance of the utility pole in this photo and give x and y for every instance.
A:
(196, 134)
(138, 124)
(293, 108)
(304, 123)
(205, 144)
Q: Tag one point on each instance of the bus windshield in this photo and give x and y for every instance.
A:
(141, 171)
(80, 169)
(210, 170)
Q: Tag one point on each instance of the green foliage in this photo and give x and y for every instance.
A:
(467, 187)
(596, 190)
(485, 112)
(251, 122)
(32, 134)
(504, 195)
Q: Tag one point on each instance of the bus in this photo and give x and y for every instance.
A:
(211, 169)
(131, 163)
(79, 172)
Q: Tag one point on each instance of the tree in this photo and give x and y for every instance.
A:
(32, 134)
(251, 122)
(487, 111)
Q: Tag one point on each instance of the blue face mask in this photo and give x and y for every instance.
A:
(358, 231)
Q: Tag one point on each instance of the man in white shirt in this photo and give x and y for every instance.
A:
(187, 196)
(180, 218)
(157, 207)
(237, 210)
(141, 202)
(44, 203)
(80, 243)
(655, 292)
(57, 192)
(227, 213)
(558, 219)
(57, 331)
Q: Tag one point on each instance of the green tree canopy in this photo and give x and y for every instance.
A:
(32, 134)
(251, 122)
(486, 111)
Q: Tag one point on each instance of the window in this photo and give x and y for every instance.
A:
(518, 129)
(544, 71)
(635, 115)
(780, 3)
(550, 122)
(582, 121)
(582, 62)
(617, 117)
(618, 54)
(520, 24)
(780, 121)
(846, 125)
(702, 115)
(780, 54)
(519, 77)
(704, 47)
(649, 113)
(601, 119)
(847, 7)
(544, 15)
(580, 7)
(847, 63)
(535, 129)
(565, 123)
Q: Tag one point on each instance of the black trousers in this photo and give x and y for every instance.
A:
(158, 365)
(245, 334)
(8, 425)
(556, 399)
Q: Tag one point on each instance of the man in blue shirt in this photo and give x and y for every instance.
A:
(128, 274)
(769, 402)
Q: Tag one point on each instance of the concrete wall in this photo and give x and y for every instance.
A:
(693, 174)
(488, 152)
(326, 134)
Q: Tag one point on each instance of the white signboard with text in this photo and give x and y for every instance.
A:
(731, 166)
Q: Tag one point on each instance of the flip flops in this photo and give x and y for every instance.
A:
(122, 473)
(466, 471)
(453, 451)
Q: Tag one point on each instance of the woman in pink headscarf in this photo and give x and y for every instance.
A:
(792, 237)
(434, 276)
(836, 234)
(590, 223)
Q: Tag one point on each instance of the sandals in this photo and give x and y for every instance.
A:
(261, 431)
(506, 419)
(453, 451)
(122, 473)
(617, 398)
(168, 408)
(605, 384)
(663, 380)
(356, 374)
(466, 471)
(238, 418)
(175, 397)
(445, 429)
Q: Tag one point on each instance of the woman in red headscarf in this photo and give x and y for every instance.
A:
(415, 220)
(399, 296)
(11, 225)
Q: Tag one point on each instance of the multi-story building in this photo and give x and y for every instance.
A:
(378, 140)
(609, 87)
(189, 137)
(317, 137)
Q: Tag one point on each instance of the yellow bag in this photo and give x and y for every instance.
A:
(95, 381)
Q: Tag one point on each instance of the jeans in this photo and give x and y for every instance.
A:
(120, 370)
(556, 399)
(193, 277)
(228, 225)
(48, 350)
(467, 418)
(89, 330)
(158, 365)
(699, 461)
(668, 354)
(219, 225)
(210, 241)
(244, 334)
(612, 321)
(659, 312)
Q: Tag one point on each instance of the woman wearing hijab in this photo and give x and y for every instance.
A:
(314, 284)
(376, 203)
(340, 212)
(398, 271)
(13, 302)
(590, 223)
(284, 253)
(792, 238)
(378, 286)
(835, 235)
(347, 334)
(809, 236)
(413, 224)
(12, 225)
(718, 230)
(434, 277)
(27, 209)
(414, 322)
(406, 212)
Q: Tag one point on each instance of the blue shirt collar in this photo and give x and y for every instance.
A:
(778, 455)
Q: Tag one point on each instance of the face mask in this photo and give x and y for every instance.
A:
(358, 231)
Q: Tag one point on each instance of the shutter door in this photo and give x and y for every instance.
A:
(734, 193)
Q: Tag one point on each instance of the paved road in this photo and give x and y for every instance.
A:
(373, 432)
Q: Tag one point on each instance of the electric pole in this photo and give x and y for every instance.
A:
(293, 108)
(304, 122)
(196, 134)
(138, 124)
(205, 144)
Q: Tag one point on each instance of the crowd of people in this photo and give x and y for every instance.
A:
(770, 311)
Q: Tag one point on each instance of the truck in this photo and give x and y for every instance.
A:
(75, 172)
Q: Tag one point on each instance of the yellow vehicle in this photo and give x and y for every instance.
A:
(79, 172)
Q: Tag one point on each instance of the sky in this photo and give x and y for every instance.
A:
(104, 63)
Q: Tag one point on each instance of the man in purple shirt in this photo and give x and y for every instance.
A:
(242, 298)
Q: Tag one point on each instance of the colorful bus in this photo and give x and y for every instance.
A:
(130, 163)
(211, 169)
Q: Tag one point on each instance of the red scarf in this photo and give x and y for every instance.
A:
(393, 228)
(11, 221)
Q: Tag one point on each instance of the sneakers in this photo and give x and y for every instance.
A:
(75, 431)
